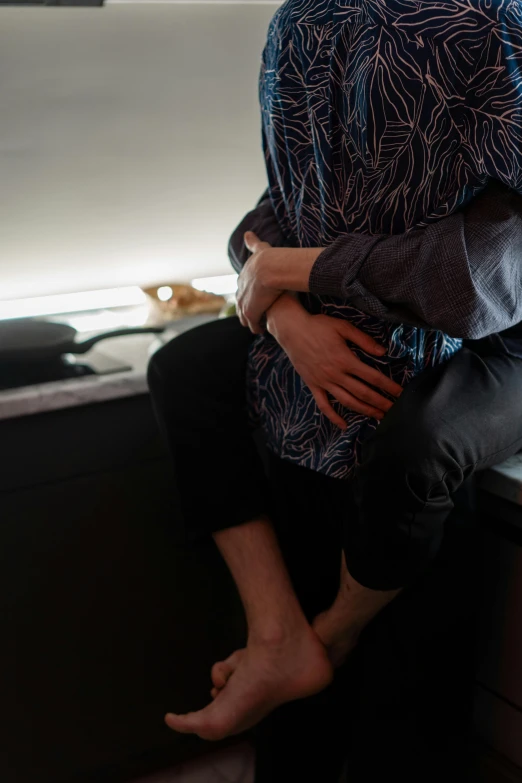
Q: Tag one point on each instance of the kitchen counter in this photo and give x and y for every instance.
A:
(134, 350)
(504, 480)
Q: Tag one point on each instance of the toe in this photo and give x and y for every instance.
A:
(220, 674)
(222, 671)
(207, 723)
(191, 723)
(181, 723)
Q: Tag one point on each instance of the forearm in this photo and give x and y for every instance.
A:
(461, 275)
(290, 269)
(295, 270)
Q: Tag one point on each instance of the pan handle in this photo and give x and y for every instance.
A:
(86, 345)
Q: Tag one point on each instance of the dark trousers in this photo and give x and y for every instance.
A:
(449, 422)
(401, 706)
(402, 702)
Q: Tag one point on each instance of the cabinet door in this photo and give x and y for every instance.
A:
(107, 625)
(498, 702)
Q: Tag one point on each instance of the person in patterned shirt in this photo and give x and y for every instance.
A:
(380, 119)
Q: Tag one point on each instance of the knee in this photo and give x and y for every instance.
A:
(407, 468)
(205, 353)
(407, 444)
(171, 363)
(157, 367)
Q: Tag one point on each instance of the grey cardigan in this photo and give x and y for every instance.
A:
(462, 275)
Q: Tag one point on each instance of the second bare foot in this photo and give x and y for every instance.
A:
(256, 680)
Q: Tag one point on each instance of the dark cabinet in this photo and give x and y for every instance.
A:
(108, 622)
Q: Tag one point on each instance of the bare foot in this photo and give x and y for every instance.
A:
(338, 638)
(254, 681)
(223, 670)
(341, 625)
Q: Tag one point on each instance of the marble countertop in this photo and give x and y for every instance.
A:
(504, 480)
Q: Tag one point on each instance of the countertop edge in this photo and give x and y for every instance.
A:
(57, 395)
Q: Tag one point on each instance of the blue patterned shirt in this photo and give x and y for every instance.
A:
(378, 117)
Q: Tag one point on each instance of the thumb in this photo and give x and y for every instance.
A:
(363, 340)
(253, 242)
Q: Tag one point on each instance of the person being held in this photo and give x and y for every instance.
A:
(389, 171)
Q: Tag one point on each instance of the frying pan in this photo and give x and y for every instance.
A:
(27, 339)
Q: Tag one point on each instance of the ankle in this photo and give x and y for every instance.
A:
(356, 605)
(347, 612)
(278, 631)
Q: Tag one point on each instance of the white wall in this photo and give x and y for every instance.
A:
(130, 142)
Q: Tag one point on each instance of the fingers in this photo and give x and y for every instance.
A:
(325, 407)
(256, 327)
(376, 378)
(242, 320)
(363, 340)
(365, 394)
(354, 404)
(362, 370)
(348, 400)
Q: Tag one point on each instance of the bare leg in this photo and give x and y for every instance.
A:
(340, 626)
(284, 658)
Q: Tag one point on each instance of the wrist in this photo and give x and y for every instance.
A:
(286, 311)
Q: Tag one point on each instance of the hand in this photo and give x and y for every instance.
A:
(254, 297)
(316, 346)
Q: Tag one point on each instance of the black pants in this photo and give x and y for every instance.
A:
(401, 705)
(402, 702)
(449, 422)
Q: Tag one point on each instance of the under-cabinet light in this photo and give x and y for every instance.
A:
(81, 301)
(222, 284)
